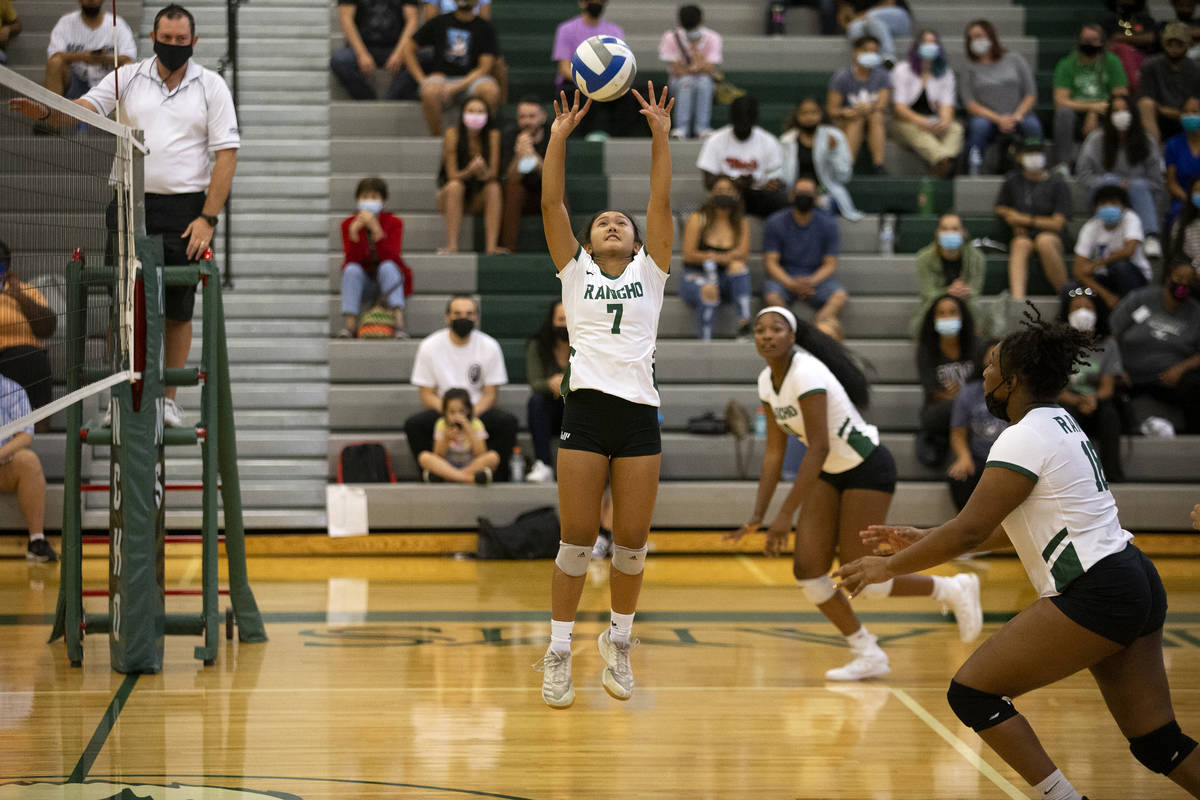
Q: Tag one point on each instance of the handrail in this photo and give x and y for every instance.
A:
(230, 62)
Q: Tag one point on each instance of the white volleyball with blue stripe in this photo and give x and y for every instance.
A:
(603, 68)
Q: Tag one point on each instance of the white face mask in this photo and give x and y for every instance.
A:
(373, 206)
(981, 47)
(1082, 319)
(1034, 162)
(1121, 120)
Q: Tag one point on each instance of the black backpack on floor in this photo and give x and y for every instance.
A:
(365, 462)
(533, 534)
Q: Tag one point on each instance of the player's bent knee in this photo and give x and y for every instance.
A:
(573, 559)
(1162, 750)
(876, 591)
(978, 710)
(629, 560)
(817, 591)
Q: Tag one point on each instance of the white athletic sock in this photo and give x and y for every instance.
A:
(1057, 787)
(621, 627)
(940, 585)
(860, 640)
(560, 635)
(33, 537)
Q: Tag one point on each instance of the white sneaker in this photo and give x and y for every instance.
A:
(557, 689)
(872, 663)
(961, 595)
(540, 473)
(618, 674)
(679, 133)
(107, 422)
(603, 546)
(1152, 247)
(172, 416)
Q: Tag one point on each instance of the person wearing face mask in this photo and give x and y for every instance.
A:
(1084, 82)
(1182, 158)
(973, 431)
(1036, 206)
(950, 265)
(1158, 329)
(692, 53)
(1165, 82)
(1090, 394)
(465, 50)
(885, 20)
(1109, 258)
(1120, 153)
(371, 242)
(716, 242)
(1185, 235)
(461, 356)
(469, 177)
(747, 154)
(923, 99)
(858, 99)
(547, 355)
(619, 117)
(812, 148)
(998, 94)
(947, 355)
(1100, 603)
(80, 52)
(800, 254)
(523, 145)
(1185, 12)
(1132, 36)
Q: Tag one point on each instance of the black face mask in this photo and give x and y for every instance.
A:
(804, 203)
(808, 130)
(1090, 50)
(996, 407)
(172, 56)
(561, 333)
(724, 202)
(91, 11)
(595, 9)
(462, 327)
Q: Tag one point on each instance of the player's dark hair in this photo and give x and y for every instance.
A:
(1043, 354)
(458, 394)
(980, 363)
(545, 338)
(585, 233)
(376, 185)
(175, 11)
(927, 337)
(690, 17)
(834, 355)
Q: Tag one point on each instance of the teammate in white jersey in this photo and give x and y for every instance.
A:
(1100, 602)
(813, 389)
(612, 292)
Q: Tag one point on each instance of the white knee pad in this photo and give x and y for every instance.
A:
(573, 558)
(628, 560)
(818, 590)
(874, 591)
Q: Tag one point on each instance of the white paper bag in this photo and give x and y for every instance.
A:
(346, 510)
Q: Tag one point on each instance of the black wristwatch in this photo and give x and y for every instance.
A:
(210, 219)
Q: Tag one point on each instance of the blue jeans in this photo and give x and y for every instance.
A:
(344, 65)
(1141, 197)
(884, 24)
(693, 96)
(388, 280)
(981, 130)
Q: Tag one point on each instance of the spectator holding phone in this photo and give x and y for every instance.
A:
(460, 453)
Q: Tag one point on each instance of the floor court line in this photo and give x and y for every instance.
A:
(105, 726)
(754, 569)
(958, 744)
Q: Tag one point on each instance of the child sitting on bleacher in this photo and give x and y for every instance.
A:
(460, 453)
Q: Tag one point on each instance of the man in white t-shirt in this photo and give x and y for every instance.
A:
(80, 52)
(749, 155)
(1109, 257)
(460, 356)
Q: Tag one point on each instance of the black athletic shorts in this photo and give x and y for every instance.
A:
(1120, 598)
(168, 215)
(877, 473)
(608, 425)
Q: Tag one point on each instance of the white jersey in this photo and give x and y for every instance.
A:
(851, 438)
(1069, 521)
(613, 324)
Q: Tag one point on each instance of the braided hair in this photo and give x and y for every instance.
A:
(1044, 354)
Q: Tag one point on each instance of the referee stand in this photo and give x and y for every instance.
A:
(137, 621)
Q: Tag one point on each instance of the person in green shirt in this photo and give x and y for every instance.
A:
(950, 265)
(1084, 80)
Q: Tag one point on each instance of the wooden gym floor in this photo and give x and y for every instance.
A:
(409, 677)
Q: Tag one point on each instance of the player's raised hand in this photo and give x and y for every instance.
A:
(567, 117)
(886, 539)
(657, 112)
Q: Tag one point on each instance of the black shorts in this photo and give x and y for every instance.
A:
(1120, 598)
(877, 473)
(168, 215)
(611, 426)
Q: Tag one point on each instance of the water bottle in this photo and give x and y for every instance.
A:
(974, 161)
(710, 272)
(760, 424)
(925, 197)
(516, 466)
(887, 235)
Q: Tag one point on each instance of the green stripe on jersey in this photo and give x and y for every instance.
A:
(1013, 467)
(1053, 544)
(811, 391)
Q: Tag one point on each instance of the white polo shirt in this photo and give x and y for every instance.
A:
(182, 127)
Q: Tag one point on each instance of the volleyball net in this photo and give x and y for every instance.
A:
(71, 193)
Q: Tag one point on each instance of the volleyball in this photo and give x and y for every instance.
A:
(603, 68)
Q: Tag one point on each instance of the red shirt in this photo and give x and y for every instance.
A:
(386, 249)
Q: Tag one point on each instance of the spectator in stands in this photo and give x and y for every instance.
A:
(524, 145)
(81, 49)
(827, 16)
(812, 148)
(973, 431)
(372, 241)
(1090, 394)
(691, 53)
(950, 265)
(621, 117)
(1185, 235)
(800, 253)
(10, 26)
(1185, 12)
(1182, 157)
(858, 99)
(460, 453)
(747, 154)
(1132, 36)
(1120, 153)
(947, 357)
(1035, 205)
(1109, 257)
(1165, 82)
(547, 355)
(26, 321)
(1084, 81)
(716, 243)
(433, 8)
(21, 471)
(464, 52)
(470, 176)
(377, 34)
(998, 93)
(884, 20)
(461, 356)
(923, 99)
(1158, 330)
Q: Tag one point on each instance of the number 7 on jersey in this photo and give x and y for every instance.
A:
(618, 309)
